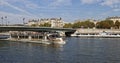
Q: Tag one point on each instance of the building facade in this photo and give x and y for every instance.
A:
(55, 22)
(32, 22)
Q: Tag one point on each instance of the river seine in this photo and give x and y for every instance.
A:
(76, 50)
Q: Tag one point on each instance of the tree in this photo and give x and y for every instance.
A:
(84, 24)
(117, 24)
(45, 25)
(88, 24)
(98, 25)
(34, 25)
(77, 25)
(105, 24)
(67, 25)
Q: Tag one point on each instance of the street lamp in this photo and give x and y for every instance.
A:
(2, 21)
(8, 23)
(6, 20)
(23, 21)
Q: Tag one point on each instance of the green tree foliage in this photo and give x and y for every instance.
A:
(88, 24)
(34, 25)
(69, 25)
(76, 25)
(84, 24)
(117, 24)
(45, 25)
(106, 24)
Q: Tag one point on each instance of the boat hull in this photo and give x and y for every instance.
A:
(4, 36)
(37, 41)
(99, 36)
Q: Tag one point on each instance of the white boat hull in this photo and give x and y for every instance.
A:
(99, 36)
(37, 41)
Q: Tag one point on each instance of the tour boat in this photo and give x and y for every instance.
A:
(97, 35)
(35, 37)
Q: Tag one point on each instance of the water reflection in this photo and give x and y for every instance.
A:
(1, 44)
(17, 52)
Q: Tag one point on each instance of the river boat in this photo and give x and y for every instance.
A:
(36, 37)
(97, 35)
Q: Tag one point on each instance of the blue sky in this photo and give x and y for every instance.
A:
(69, 10)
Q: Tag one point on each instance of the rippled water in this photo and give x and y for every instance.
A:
(77, 50)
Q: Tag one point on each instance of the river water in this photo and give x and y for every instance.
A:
(76, 50)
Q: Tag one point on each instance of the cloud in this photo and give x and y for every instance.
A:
(4, 3)
(114, 4)
(89, 1)
(110, 2)
(102, 2)
(32, 6)
(116, 10)
(26, 3)
(57, 3)
(29, 4)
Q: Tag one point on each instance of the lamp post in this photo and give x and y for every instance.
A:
(2, 21)
(6, 20)
(8, 23)
(23, 21)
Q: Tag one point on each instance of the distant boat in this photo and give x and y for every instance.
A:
(96, 35)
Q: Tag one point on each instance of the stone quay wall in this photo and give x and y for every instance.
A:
(97, 30)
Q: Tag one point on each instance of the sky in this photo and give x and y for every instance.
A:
(68, 10)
